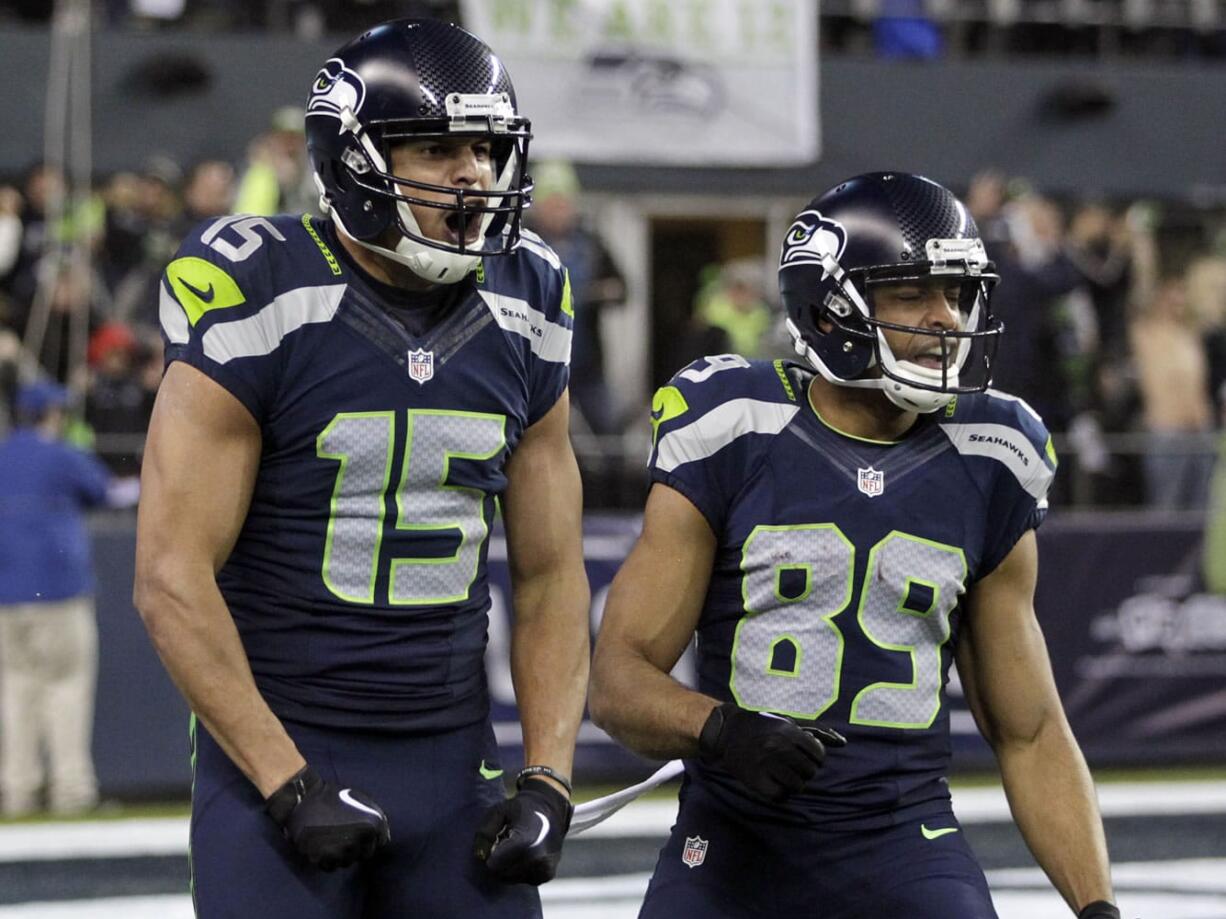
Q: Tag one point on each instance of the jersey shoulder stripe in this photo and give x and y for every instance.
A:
(229, 268)
(714, 401)
(719, 427)
(263, 332)
(1004, 428)
(550, 341)
(531, 242)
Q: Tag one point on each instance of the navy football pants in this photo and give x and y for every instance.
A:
(749, 868)
(434, 795)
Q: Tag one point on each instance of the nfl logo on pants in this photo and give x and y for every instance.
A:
(695, 851)
(421, 365)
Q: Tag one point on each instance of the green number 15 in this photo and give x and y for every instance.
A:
(426, 505)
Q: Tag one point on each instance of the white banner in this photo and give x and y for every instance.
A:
(677, 82)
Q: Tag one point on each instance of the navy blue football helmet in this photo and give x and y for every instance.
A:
(880, 228)
(413, 79)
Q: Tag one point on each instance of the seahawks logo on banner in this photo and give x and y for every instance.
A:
(335, 89)
(811, 240)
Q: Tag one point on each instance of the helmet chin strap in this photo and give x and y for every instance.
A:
(432, 265)
(908, 398)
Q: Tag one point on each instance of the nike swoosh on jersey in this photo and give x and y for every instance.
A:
(487, 772)
(937, 833)
(205, 296)
(544, 829)
(354, 803)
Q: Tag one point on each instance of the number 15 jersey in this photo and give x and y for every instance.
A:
(837, 586)
(358, 582)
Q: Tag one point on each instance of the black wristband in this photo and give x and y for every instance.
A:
(281, 803)
(1099, 909)
(546, 771)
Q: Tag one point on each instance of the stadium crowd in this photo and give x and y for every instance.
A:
(1115, 312)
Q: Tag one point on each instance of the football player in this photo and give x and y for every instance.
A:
(837, 532)
(346, 402)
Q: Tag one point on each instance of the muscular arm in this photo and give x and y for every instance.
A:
(201, 458)
(649, 618)
(543, 511)
(1003, 664)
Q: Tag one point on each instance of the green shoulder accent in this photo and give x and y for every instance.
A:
(200, 286)
(783, 378)
(333, 264)
(481, 271)
(1050, 449)
(952, 407)
(666, 404)
(567, 307)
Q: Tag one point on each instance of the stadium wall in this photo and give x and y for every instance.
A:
(1118, 129)
(1138, 649)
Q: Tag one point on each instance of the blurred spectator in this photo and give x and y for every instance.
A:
(1206, 281)
(733, 299)
(595, 282)
(48, 636)
(903, 30)
(1100, 246)
(1173, 372)
(699, 339)
(119, 402)
(277, 179)
(208, 191)
(10, 228)
(1044, 332)
(145, 223)
(42, 184)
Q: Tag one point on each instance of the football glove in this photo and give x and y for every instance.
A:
(520, 839)
(771, 755)
(332, 827)
(1099, 909)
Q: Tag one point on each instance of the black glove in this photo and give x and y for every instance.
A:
(1099, 909)
(520, 839)
(772, 755)
(333, 827)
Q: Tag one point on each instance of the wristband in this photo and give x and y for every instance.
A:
(529, 771)
(1099, 909)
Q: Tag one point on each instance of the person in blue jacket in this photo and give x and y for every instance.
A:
(48, 634)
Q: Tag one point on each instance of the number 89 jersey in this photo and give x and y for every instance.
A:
(358, 582)
(841, 565)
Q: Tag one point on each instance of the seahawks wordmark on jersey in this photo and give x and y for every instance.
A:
(358, 582)
(841, 567)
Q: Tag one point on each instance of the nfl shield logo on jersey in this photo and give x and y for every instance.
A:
(871, 482)
(421, 365)
(695, 851)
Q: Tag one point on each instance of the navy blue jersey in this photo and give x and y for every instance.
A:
(841, 565)
(358, 582)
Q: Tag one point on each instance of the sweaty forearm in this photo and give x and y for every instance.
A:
(549, 665)
(194, 635)
(1052, 797)
(646, 709)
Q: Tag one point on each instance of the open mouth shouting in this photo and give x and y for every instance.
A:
(464, 226)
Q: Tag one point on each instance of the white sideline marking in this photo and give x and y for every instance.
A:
(21, 842)
(619, 897)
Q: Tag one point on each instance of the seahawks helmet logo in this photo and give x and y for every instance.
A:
(335, 89)
(811, 239)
